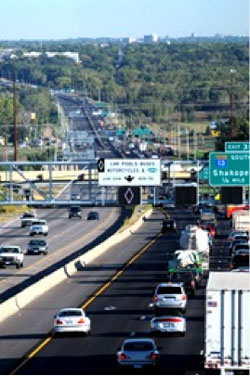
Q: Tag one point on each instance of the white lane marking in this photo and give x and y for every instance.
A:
(109, 308)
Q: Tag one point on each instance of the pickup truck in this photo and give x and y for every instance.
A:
(27, 219)
(11, 255)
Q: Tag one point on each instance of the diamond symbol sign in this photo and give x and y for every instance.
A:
(129, 196)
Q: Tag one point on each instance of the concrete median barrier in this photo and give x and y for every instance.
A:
(21, 299)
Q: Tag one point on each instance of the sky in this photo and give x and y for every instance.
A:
(62, 19)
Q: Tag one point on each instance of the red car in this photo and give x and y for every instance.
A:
(210, 228)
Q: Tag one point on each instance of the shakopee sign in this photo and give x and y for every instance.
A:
(129, 172)
(228, 169)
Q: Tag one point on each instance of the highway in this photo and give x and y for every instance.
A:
(120, 311)
(65, 237)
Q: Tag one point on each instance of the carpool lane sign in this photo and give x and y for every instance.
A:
(130, 172)
(229, 169)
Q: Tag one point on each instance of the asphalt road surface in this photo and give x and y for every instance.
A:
(121, 311)
(65, 237)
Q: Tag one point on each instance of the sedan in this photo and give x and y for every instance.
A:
(71, 320)
(138, 352)
(38, 230)
(92, 216)
(170, 321)
(37, 246)
(168, 225)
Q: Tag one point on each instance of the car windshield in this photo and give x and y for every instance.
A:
(9, 250)
(241, 260)
(138, 346)
(28, 215)
(168, 312)
(70, 313)
(169, 290)
(37, 242)
(241, 246)
(75, 208)
(239, 239)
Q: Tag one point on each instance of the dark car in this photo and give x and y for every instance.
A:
(37, 246)
(75, 211)
(238, 240)
(240, 259)
(92, 216)
(190, 280)
(168, 225)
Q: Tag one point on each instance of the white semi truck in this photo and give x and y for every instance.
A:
(227, 344)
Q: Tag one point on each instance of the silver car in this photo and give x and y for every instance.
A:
(37, 246)
(170, 295)
(39, 227)
(72, 320)
(171, 321)
(138, 352)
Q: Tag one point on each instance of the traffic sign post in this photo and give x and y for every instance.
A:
(129, 172)
(228, 169)
(237, 146)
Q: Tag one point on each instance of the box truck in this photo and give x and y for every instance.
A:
(227, 335)
(241, 220)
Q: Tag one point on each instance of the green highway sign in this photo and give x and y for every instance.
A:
(228, 169)
(237, 146)
(204, 173)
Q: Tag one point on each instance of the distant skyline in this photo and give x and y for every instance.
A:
(63, 19)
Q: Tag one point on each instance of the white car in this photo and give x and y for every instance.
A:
(138, 352)
(39, 227)
(170, 295)
(171, 321)
(72, 320)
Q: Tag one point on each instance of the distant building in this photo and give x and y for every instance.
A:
(151, 38)
(128, 40)
(5, 53)
(71, 55)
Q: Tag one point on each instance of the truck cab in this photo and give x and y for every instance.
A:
(11, 255)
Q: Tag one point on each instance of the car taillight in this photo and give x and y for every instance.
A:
(155, 298)
(153, 356)
(59, 322)
(170, 319)
(122, 356)
(81, 321)
(183, 297)
(230, 239)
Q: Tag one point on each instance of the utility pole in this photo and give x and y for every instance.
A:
(232, 71)
(179, 142)
(187, 143)
(15, 114)
(195, 142)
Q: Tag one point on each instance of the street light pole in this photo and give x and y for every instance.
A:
(15, 115)
(232, 71)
